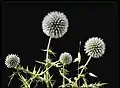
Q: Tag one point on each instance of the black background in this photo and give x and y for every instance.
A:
(22, 35)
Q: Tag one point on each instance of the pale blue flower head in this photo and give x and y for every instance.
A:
(55, 24)
(95, 47)
(12, 61)
(65, 58)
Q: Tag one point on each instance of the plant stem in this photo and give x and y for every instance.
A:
(47, 72)
(78, 73)
(85, 82)
(48, 48)
(63, 77)
(79, 61)
(27, 85)
(83, 69)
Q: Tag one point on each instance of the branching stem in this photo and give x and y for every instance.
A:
(83, 69)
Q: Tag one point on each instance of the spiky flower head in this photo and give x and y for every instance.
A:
(95, 47)
(65, 58)
(55, 24)
(12, 61)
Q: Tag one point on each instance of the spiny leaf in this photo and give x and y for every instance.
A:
(23, 79)
(51, 77)
(11, 77)
(38, 70)
(53, 84)
(34, 70)
(40, 62)
(49, 51)
(91, 74)
(78, 59)
(101, 84)
(27, 68)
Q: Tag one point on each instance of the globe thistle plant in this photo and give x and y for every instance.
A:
(65, 58)
(95, 47)
(12, 61)
(55, 24)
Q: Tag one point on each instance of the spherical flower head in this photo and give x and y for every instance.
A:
(55, 24)
(12, 61)
(95, 47)
(65, 58)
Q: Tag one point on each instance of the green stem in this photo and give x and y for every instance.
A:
(78, 74)
(47, 68)
(26, 84)
(83, 69)
(48, 48)
(63, 77)
(85, 82)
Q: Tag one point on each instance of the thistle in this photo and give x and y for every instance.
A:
(65, 58)
(12, 61)
(95, 47)
(55, 25)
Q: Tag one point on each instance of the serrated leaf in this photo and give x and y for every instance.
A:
(91, 74)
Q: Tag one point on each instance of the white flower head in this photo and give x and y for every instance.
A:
(12, 61)
(65, 58)
(55, 24)
(95, 47)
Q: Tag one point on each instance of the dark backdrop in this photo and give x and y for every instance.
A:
(22, 35)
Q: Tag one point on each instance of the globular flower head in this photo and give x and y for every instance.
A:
(95, 47)
(55, 24)
(65, 58)
(12, 61)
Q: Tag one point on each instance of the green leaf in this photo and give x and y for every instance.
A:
(49, 51)
(101, 84)
(91, 74)
(40, 62)
(78, 59)
(11, 77)
(27, 68)
(38, 70)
